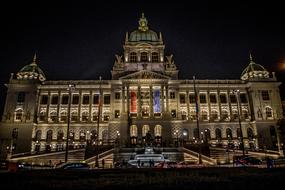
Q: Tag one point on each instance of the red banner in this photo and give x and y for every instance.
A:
(133, 102)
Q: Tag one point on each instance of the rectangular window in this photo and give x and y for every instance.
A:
(203, 98)
(223, 98)
(107, 99)
(243, 98)
(96, 99)
(21, 97)
(265, 95)
(192, 98)
(117, 113)
(85, 99)
(233, 98)
(172, 95)
(75, 99)
(117, 95)
(213, 98)
(182, 99)
(44, 99)
(64, 99)
(54, 99)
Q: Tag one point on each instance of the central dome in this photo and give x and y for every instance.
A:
(143, 33)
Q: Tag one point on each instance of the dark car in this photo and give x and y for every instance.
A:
(74, 166)
(245, 161)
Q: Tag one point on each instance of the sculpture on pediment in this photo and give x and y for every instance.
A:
(118, 61)
(170, 63)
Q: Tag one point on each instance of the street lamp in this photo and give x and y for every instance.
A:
(237, 93)
(98, 123)
(70, 89)
(176, 134)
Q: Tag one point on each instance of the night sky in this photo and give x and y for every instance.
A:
(80, 40)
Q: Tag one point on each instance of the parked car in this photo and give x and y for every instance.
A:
(74, 166)
(248, 160)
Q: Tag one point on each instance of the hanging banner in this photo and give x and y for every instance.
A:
(156, 100)
(133, 102)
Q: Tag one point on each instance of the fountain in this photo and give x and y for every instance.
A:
(147, 159)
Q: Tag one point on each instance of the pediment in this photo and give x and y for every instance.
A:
(144, 74)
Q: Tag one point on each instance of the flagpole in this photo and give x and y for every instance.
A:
(197, 119)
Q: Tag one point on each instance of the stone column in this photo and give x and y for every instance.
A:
(151, 100)
(139, 102)
(188, 104)
(230, 105)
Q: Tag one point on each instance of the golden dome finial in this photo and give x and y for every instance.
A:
(34, 59)
(143, 23)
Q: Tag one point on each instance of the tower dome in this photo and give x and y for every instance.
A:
(143, 33)
(31, 71)
(254, 70)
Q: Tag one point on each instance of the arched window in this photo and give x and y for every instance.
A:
(185, 134)
(225, 115)
(218, 134)
(204, 115)
(60, 135)
(268, 112)
(145, 129)
(71, 135)
(250, 134)
(53, 116)
(154, 57)
(19, 115)
(85, 116)
(207, 134)
(93, 136)
(229, 134)
(49, 136)
(245, 114)
(144, 57)
(235, 114)
(38, 135)
(214, 114)
(82, 136)
(193, 115)
(133, 57)
(133, 131)
(74, 116)
(157, 130)
(63, 116)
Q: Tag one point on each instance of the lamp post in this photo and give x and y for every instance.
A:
(70, 88)
(98, 124)
(237, 93)
(176, 135)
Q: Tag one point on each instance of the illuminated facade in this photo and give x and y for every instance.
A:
(143, 97)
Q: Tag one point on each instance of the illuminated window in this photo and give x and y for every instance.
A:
(229, 134)
(133, 57)
(49, 136)
(82, 136)
(133, 131)
(95, 116)
(19, 115)
(145, 129)
(117, 113)
(38, 135)
(60, 135)
(157, 130)
(85, 116)
(235, 114)
(218, 133)
(154, 57)
(144, 57)
(268, 112)
(225, 115)
(42, 116)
